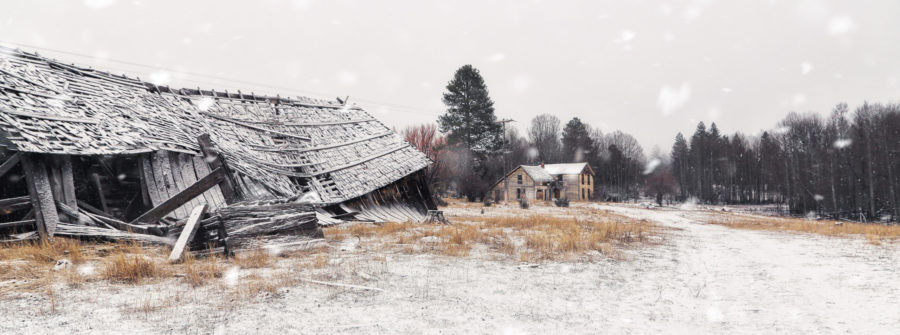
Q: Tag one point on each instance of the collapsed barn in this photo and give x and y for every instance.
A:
(89, 153)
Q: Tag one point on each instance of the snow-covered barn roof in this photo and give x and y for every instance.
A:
(289, 146)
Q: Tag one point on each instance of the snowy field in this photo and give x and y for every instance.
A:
(702, 279)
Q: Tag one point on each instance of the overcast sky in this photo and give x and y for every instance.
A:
(649, 68)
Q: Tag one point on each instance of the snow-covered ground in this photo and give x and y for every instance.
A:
(703, 279)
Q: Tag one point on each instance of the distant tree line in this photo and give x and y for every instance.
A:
(472, 149)
(844, 166)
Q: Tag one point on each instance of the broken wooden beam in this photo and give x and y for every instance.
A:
(38, 183)
(215, 162)
(13, 204)
(182, 197)
(96, 178)
(9, 163)
(187, 235)
(79, 231)
(14, 224)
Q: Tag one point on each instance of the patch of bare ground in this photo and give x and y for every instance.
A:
(875, 233)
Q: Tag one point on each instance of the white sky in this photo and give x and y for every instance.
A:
(649, 68)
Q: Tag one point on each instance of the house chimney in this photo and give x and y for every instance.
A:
(542, 164)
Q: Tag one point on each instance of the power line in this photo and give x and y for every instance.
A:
(393, 106)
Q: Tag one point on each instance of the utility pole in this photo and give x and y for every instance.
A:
(506, 150)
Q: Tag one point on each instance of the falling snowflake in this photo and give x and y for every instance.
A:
(842, 143)
(497, 57)
(840, 25)
(671, 99)
(652, 165)
(805, 68)
(205, 103)
(99, 4)
(160, 78)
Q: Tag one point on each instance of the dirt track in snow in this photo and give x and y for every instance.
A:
(704, 278)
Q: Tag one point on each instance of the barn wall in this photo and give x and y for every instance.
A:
(166, 173)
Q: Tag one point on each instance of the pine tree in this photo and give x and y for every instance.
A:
(470, 119)
(681, 163)
(576, 141)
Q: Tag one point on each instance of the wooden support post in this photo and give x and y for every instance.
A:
(68, 181)
(223, 239)
(62, 181)
(38, 183)
(215, 162)
(182, 197)
(187, 234)
(103, 206)
(9, 163)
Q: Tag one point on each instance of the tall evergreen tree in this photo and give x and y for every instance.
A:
(681, 165)
(470, 120)
(576, 141)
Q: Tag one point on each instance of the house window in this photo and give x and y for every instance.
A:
(519, 193)
(582, 179)
(519, 179)
(582, 194)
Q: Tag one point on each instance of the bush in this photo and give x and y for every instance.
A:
(562, 202)
(523, 203)
(440, 201)
(487, 202)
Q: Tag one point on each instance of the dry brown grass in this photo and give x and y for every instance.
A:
(132, 268)
(198, 272)
(530, 237)
(254, 259)
(44, 252)
(874, 233)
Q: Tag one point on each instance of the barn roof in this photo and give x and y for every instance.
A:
(288, 146)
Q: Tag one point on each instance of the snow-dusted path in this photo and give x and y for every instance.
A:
(724, 280)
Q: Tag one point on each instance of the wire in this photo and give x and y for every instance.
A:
(388, 105)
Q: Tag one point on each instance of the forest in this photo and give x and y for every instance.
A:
(843, 166)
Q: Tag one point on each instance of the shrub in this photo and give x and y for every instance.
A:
(487, 202)
(562, 202)
(523, 203)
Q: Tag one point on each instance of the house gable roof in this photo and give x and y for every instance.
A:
(565, 168)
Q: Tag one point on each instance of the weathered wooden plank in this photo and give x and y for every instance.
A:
(38, 183)
(13, 204)
(99, 186)
(109, 234)
(145, 195)
(150, 181)
(215, 193)
(68, 181)
(180, 184)
(215, 162)
(10, 163)
(161, 158)
(14, 224)
(188, 233)
(182, 197)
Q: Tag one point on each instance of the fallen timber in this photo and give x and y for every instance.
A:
(87, 154)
